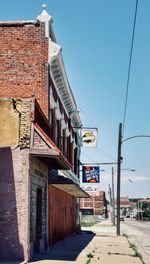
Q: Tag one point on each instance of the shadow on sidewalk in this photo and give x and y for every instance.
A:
(68, 249)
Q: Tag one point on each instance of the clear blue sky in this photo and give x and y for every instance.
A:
(95, 36)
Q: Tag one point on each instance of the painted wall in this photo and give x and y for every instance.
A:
(14, 204)
(9, 124)
(62, 214)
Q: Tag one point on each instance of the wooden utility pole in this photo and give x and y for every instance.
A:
(110, 198)
(113, 198)
(118, 178)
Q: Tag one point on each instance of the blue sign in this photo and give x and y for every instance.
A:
(90, 174)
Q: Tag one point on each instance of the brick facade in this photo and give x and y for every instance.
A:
(23, 62)
(94, 204)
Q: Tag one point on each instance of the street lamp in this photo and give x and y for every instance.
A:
(119, 160)
(128, 169)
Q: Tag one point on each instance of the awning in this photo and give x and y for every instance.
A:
(51, 157)
(44, 149)
(70, 175)
(68, 186)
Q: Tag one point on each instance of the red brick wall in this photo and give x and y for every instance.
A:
(97, 203)
(23, 62)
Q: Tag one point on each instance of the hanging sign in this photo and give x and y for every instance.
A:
(89, 137)
(90, 174)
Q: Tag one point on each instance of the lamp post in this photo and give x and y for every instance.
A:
(118, 178)
(119, 160)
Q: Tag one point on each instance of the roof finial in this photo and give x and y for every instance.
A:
(44, 6)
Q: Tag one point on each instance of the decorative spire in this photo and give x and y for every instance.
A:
(44, 6)
(45, 17)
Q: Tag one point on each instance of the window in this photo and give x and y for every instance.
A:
(57, 132)
(51, 123)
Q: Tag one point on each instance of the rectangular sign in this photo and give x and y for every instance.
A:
(89, 137)
(93, 193)
(90, 188)
(90, 174)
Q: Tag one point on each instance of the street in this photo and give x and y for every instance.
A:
(139, 234)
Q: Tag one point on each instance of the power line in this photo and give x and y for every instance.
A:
(87, 156)
(129, 67)
(89, 119)
(94, 162)
(80, 109)
(106, 153)
(100, 150)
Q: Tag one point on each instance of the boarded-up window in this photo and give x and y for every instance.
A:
(9, 123)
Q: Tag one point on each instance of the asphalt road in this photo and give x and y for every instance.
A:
(139, 234)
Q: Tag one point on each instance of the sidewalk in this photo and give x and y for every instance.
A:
(138, 237)
(97, 244)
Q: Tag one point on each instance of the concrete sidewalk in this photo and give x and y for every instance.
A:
(97, 244)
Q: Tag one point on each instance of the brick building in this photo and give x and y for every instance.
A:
(93, 205)
(39, 141)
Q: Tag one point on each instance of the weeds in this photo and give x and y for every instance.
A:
(125, 235)
(136, 253)
(90, 256)
(88, 261)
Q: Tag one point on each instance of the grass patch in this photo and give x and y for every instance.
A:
(87, 223)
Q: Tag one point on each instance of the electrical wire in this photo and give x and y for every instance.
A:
(129, 67)
(80, 109)
(87, 156)
(106, 153)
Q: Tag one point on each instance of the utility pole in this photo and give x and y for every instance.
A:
(113, 198)
(110, 198)
(118, 178)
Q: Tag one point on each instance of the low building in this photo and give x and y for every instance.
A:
(144, 204)
(125, 206)
(140, 208)
(94, 205)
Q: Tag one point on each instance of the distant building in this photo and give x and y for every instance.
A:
(94, 205)
(144, 204)
(140, 208)
(125, 205)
